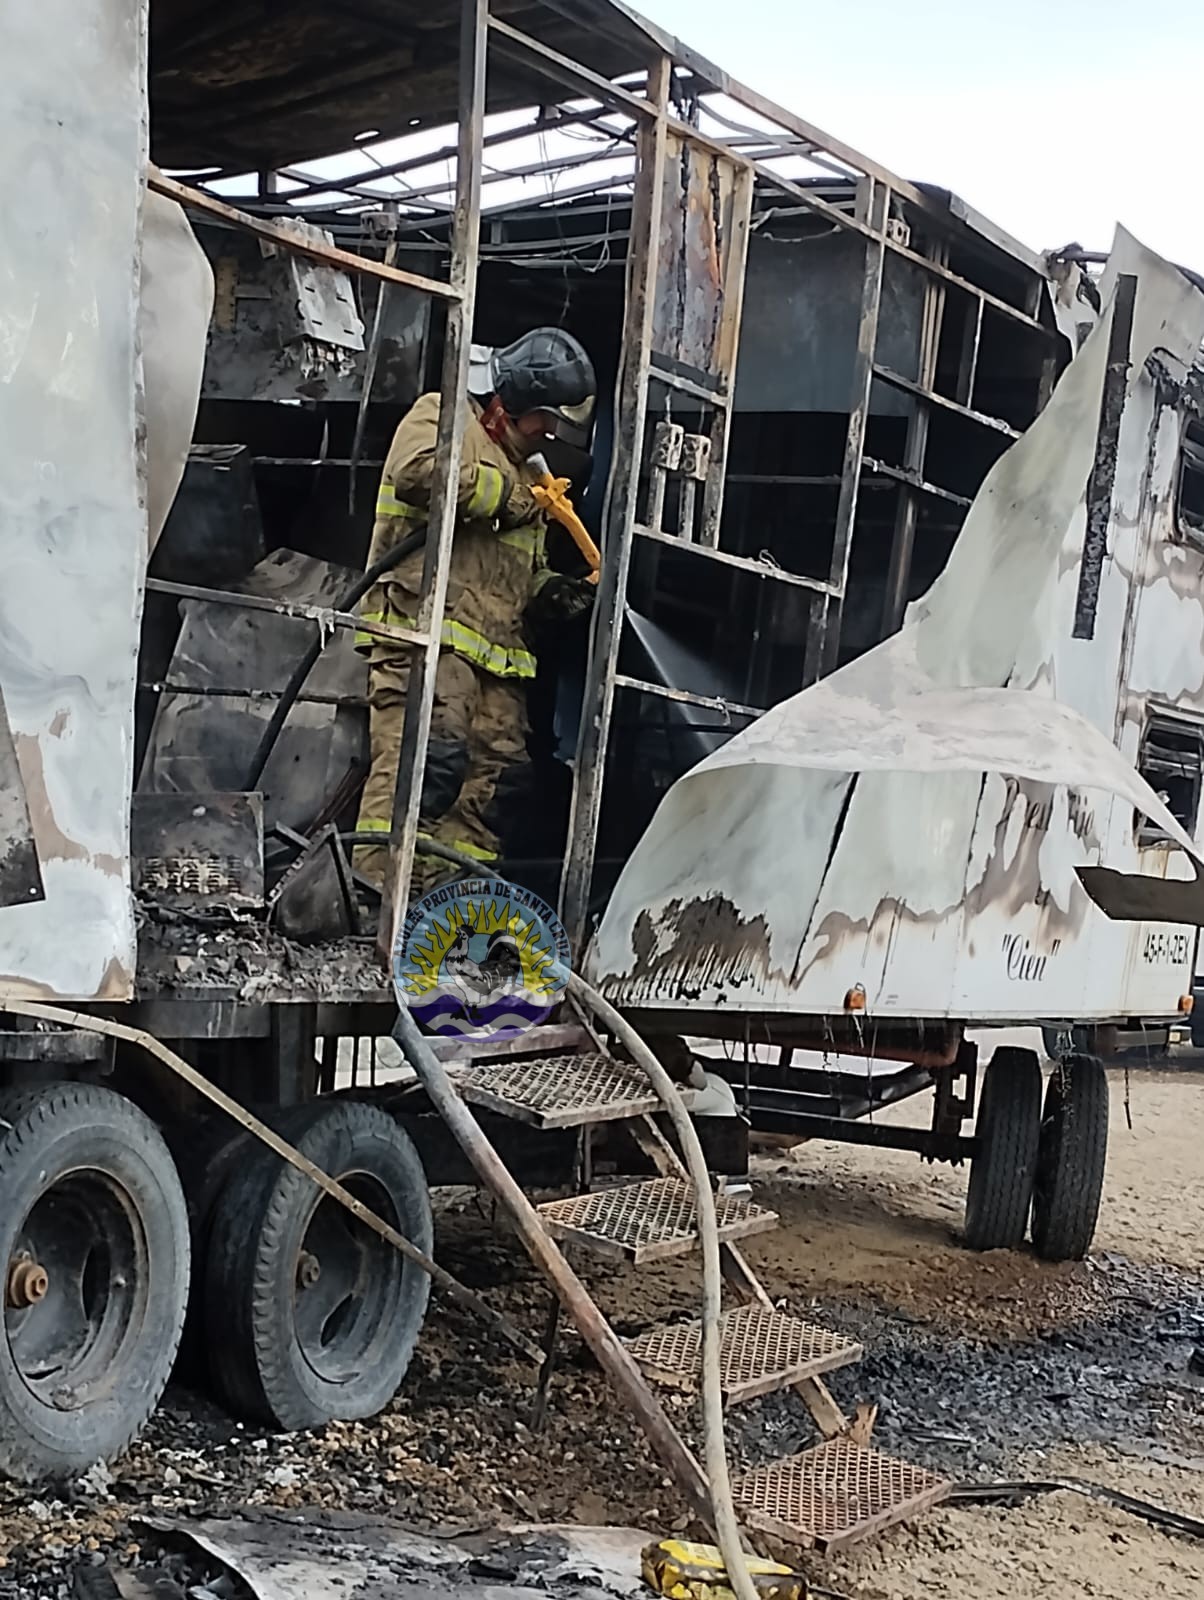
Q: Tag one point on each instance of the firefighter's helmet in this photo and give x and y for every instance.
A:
(546, 370)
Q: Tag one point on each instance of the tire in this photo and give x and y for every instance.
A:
(1070, 1163)
(1197, 1024)
(90, 1198)
(296, 1355)
(1003, 1167)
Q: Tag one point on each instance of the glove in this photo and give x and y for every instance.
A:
(560, 599)
(519, 509)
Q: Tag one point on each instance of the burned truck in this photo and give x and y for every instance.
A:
(887, 721)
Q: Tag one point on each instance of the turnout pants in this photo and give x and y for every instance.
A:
(477, 770)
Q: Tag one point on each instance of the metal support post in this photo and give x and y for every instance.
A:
(967, 366)
(543, 1389)
(898, 579)
(293, 1065)
(729, 341)
(817, 632)
(874, 198)
(465, 240)
(620, 513)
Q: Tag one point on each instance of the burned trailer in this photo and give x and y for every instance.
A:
(816, 366)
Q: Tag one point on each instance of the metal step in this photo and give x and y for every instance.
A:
(834, 1495)
(759, 1351)
(646, 1221)
(560, 1091)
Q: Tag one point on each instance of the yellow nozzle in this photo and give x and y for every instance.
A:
(551, 495)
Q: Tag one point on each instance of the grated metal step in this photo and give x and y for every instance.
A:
(759, 1351)
(647, 1221)
(834, 1495)
(560, 1091)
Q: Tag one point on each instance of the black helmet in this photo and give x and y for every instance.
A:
(545, 370)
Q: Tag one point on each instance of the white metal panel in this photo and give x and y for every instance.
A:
(72, 521)
(976, 878)
(175, 307)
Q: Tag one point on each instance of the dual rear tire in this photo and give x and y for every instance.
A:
(309, 1315)
(305, 1314)
(1043, 1162)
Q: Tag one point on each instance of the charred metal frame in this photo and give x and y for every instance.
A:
(878, 195)
(1103, 469)
(641, 112)
(828, 1103)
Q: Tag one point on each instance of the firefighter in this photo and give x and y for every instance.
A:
(477, 773)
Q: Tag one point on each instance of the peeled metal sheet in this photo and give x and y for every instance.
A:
(229, 663)
(73, 527)
(317, 1554)
(175, 305)
(20, 874)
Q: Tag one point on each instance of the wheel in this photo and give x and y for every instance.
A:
(94, 1253)
(1004, 1163)
(310, 1315)
(1070, 1163)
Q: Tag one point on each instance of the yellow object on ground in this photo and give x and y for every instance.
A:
(682, 1571)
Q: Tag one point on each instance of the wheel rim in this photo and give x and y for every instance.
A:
(75, 1288)
(347, 1284)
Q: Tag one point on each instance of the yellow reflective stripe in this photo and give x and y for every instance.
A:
(494, 658)
(498, 659)
(388, 505)
(388, 619)
(467, 848)
(464, 846)
(360, 637)
(486, 497)
(373, 825)
(525, 539)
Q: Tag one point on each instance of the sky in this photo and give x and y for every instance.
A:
(1056, 118)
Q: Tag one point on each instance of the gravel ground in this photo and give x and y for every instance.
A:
(984, 1367)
